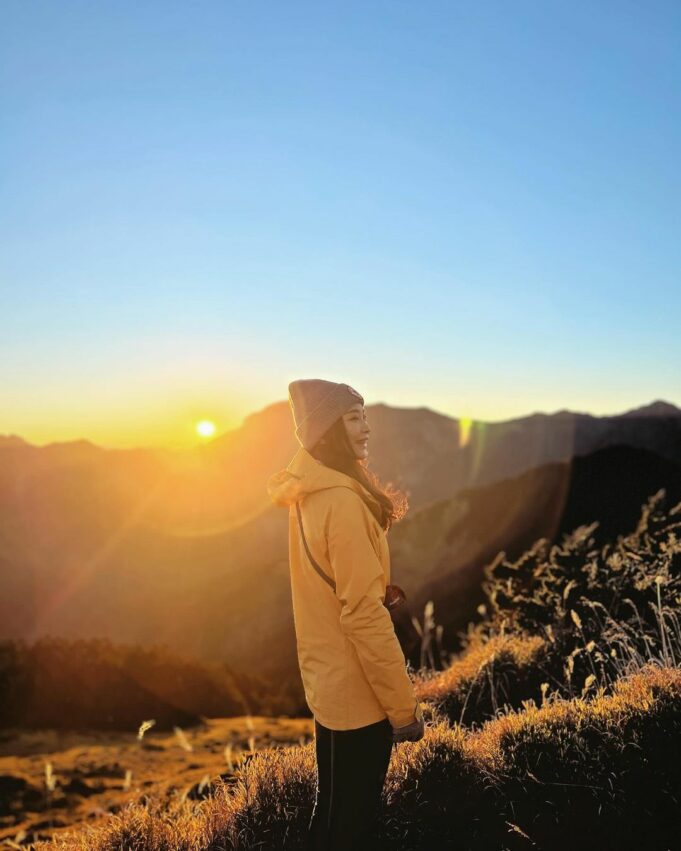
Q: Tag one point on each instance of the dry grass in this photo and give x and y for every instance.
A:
(569, 619)
(473, 682)
(571, 693)
(535, 767)
(453, 784)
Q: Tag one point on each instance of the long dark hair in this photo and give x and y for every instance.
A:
(336, 452)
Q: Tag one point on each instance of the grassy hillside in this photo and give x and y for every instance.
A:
(558, 727)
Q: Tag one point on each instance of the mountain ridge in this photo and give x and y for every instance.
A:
(656, 408)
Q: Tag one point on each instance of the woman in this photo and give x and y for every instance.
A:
(351, 663)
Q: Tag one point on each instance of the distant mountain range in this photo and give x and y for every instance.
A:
(185, 548)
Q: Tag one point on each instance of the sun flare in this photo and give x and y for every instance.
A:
(205, 428)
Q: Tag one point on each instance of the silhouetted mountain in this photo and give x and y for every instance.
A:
(440, 552)
(185, 547)
(12, 440)
(658, 408)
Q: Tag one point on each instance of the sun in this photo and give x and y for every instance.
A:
(205, 428)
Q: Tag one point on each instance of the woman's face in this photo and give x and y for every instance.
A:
(357, 428)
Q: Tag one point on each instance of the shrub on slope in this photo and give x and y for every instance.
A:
(589, 774)
(569, 619)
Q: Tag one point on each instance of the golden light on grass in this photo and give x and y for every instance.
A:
(183, 740)
(205, 428)
(144, 726)
(50, 779)
(228, 756)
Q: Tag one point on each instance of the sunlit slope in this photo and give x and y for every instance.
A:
(572, 677)
(226, 596)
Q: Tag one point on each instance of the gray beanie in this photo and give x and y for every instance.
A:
(316, 405)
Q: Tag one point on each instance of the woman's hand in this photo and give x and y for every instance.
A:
(411, 732)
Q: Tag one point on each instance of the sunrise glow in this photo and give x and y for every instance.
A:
(205, 428)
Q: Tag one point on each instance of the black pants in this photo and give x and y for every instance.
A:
(351, 769)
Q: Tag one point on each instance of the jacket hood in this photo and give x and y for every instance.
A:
(305, 474)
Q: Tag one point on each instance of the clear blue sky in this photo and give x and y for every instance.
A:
(469, 206)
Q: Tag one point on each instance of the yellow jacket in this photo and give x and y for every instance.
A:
(351, 663)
